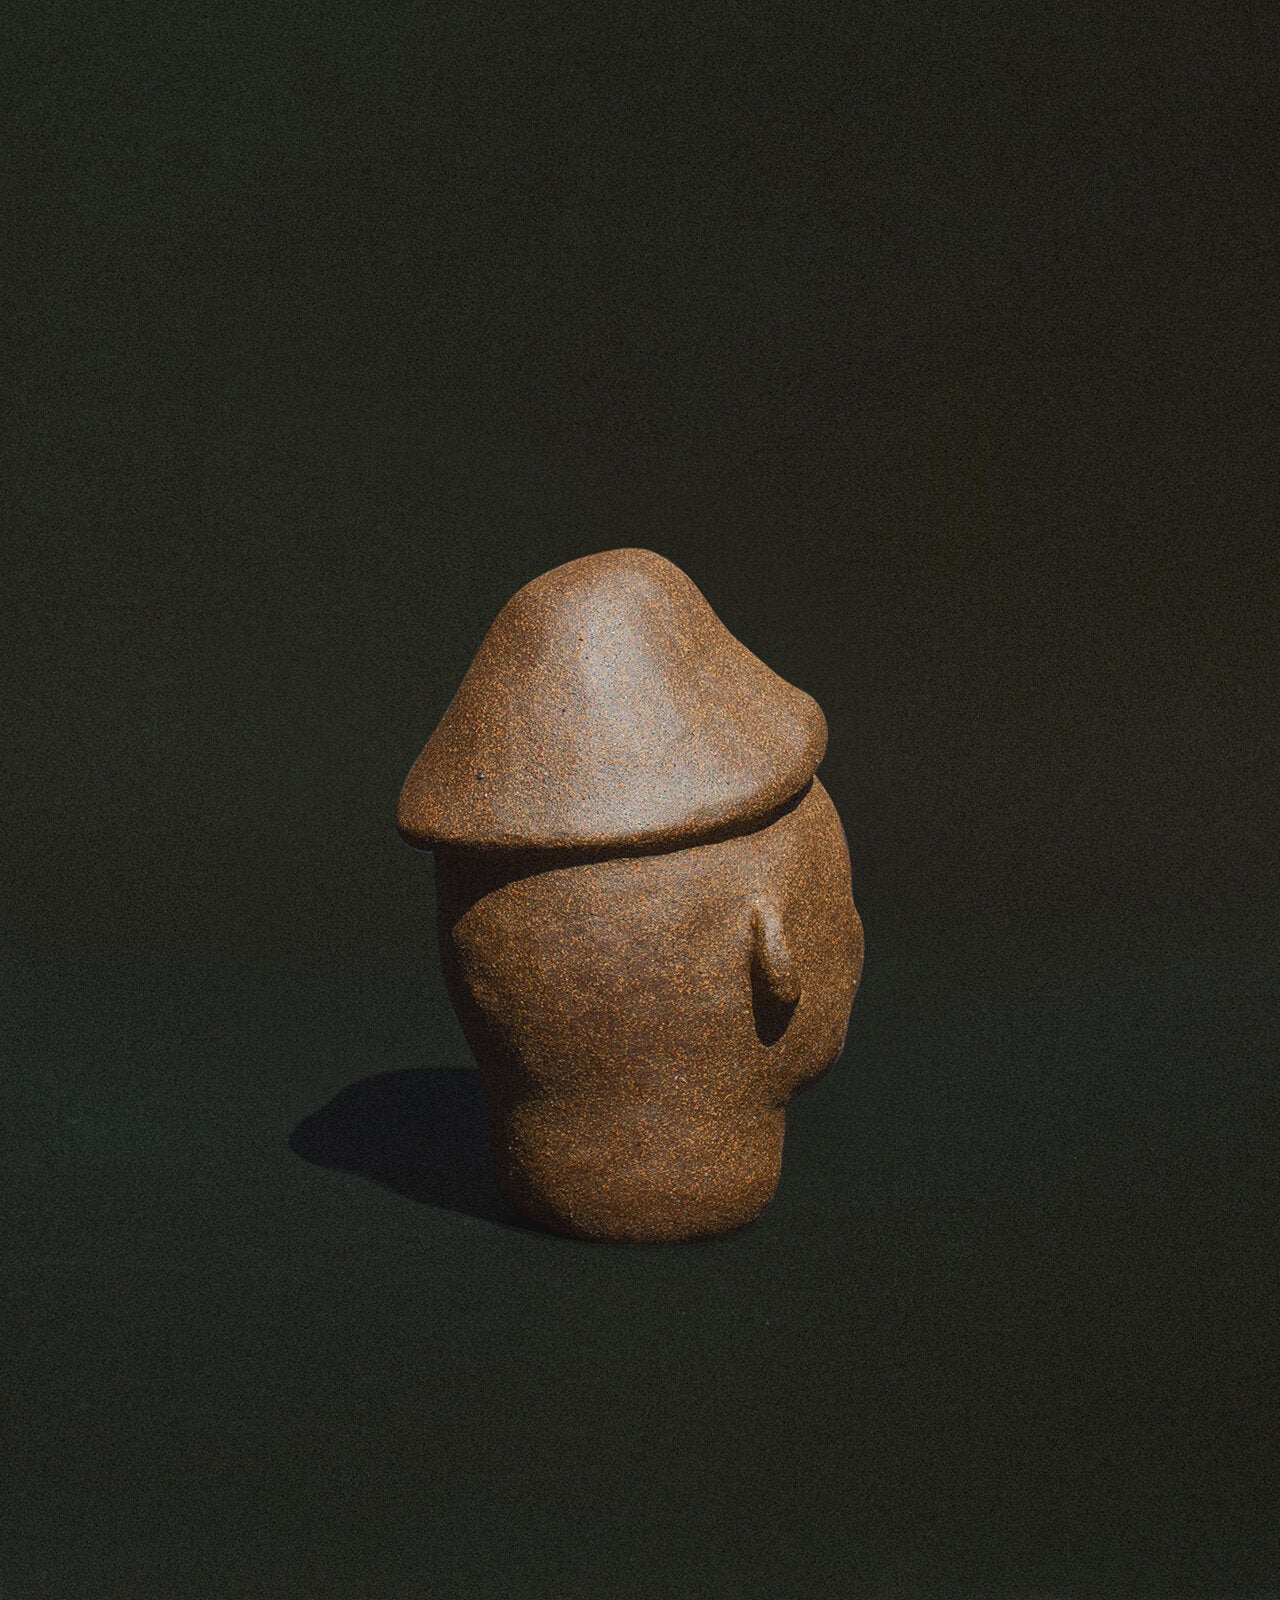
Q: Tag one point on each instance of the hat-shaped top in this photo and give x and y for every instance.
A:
(608, 707)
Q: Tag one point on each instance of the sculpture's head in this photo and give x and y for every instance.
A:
(643, 897)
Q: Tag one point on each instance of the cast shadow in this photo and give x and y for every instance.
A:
(772, 1016)
(419, 1131)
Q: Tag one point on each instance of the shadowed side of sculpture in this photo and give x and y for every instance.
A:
(419, 1131)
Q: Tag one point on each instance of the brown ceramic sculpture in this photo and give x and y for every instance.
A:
(643, 901)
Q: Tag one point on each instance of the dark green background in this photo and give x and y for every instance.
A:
(937, 343)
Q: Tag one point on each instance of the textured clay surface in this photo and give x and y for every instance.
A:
(644, 1020)
(608, 704)
(643, 901)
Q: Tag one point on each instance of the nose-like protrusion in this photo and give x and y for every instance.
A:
(772, 969)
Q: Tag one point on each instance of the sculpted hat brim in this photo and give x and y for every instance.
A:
(608, 707)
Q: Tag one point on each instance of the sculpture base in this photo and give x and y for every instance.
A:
(620, 1175)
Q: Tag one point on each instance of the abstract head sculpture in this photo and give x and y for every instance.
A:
(643, 901)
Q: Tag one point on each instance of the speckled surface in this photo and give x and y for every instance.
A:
(642, 1021)
(609, 704)
(644, 904)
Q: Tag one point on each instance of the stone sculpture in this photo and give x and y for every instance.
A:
(643, 897)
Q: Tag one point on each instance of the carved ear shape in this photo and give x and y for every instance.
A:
(773, 974)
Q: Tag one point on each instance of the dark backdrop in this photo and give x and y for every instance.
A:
(936, 342)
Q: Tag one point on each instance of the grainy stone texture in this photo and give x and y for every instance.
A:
(644, 904)
(609, 707)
